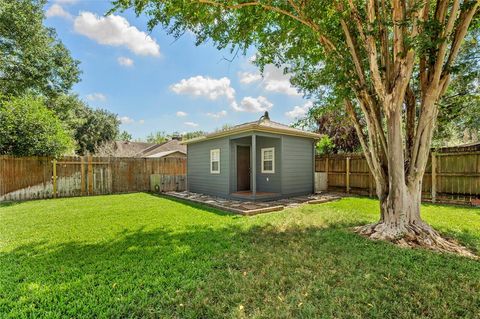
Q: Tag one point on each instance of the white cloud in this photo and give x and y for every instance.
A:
(205, 86)
(125, 61)
(126, 120)
(299, 111)
(192, 124)
(96, 97)
(248, 77)
(115, 30)
(181, 114)
(56, 10)
(253, 105)
(276, 81)
(217, 115)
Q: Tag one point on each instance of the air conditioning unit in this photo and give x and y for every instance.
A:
(155, 183)
(321, 182)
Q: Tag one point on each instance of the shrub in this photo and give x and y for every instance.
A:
(29, 128)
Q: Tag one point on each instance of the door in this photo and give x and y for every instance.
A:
(243, 168)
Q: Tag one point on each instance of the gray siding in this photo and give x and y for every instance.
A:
(293, 165)
(200, 180)
(269, 182)
(297, 168)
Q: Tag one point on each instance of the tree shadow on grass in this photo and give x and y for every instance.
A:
(9, 203)
(451, 206)
(234, 272)
(196, 205)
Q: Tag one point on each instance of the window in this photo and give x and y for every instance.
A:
(215, 161)
(268, 160)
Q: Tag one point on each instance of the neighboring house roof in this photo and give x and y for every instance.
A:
(130, 149)
(264, 124)
(167, 153)
(168, 146)
(141, 149)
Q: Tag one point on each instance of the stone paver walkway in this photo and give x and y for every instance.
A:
(249, 207)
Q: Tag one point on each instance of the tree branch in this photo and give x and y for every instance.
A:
(410, 104)
(460, 32)
(370, 152)
(353, 52)
(444, 35)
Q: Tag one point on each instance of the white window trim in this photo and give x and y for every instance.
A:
(263, 150)
(211, 161)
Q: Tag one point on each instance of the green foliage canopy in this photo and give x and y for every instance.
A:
(29, 128)
(33, 62)
(32, 59)
(125, 136)
(325, 145)
(99, 126)
(157, 137)
(89, 127)
(459, 116)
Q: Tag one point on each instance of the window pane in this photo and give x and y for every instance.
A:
(215, 166)
(215, 155)
(268, 165)
(268, 155)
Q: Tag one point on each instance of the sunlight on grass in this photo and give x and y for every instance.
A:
(140, 255)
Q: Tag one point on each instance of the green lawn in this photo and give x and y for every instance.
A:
(140, 255)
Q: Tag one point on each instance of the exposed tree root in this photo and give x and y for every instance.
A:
(414, 235)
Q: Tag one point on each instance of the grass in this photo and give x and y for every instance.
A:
(140, 255)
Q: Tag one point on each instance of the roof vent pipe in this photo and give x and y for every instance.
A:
(264, 117)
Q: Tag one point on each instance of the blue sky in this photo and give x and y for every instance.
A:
(155, 83)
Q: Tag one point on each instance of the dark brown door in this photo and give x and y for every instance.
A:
(243, 168)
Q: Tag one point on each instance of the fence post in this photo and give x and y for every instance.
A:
(90, 175)
(326, 169)
(434, 177)
(348, 175)
(54, 177)
(82, 176)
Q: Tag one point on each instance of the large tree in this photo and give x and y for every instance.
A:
(32, 59)
(390, 61)
(89, 127)
(99, 126)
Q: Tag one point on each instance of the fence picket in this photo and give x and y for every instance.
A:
(23, 178)
(449, 177)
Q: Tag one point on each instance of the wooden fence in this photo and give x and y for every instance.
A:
(449, 177)
(23, 178)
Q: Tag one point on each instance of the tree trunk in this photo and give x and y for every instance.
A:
(400, 222)
(400, 195)
(399, 209)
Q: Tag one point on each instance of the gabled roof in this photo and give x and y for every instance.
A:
(171, 145)
(166, 153)
(129, 149)
(264, 124)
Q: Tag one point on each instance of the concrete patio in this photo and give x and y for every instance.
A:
(249, 208)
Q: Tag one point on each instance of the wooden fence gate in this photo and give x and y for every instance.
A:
(78, 176)
(23, 178)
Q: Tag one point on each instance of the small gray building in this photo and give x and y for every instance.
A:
(260, 160)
